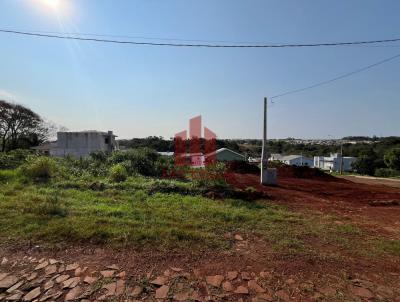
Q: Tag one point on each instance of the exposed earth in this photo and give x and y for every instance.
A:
(251, 271)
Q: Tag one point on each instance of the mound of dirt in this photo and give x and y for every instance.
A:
(304, 172)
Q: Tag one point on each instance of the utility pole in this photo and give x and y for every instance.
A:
(341, 157)
(268, 176)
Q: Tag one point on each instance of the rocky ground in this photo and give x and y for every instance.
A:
(30, 279)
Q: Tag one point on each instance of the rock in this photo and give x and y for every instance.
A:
(51, 269)
(72, 267)
(79, 271)
(245, 276)
(215, 280)
(181, 296)
(135, 292)
(265, 297)
(48, 285)
(15, 297)
(71, 283)
(113, 267)
(290, 281)
(4, 261)
(281, 294)
(384, 291)
(120, 287)
(160, 280)
(241, 290)
(110, 288)
(32, 276)
(327, 291)
(90, 280)
(73, 294)
(232, 275)
(62, 278)
(33, 294)
(15, 287)
(41, 260)
(362, 292)
(107, 274)
(122, 275)
(176, 269)
(238, 237)
(227, 286)
(61, 269)
(253, 285)
(8, 281)
(53, 261)
(3, 275)
(162, 292)
(265, 275)
(41, 265)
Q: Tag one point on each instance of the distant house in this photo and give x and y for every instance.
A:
(225, 155)
(333, 162)
(292, 160)
(79, 144)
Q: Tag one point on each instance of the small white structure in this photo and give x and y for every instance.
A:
(333, 162)
(226, 155)
(293, 160)
(80, 144)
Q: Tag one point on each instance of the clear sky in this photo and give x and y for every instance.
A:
(139, 91)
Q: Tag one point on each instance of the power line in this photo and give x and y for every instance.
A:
(336, 78)
(206, 45)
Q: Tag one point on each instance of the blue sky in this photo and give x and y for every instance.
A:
(139, 91)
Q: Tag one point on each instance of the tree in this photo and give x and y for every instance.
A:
(392, 159)
(20, 127)
(367, 162)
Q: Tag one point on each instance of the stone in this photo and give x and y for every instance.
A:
(113, 267)
(241, 290)
(32, 276)
(110, 288)
(265, 297)
(4, 261)
(79, 271)
(3, 275)
(15, 287)
(176, 269)
(72, 267)
(245, 276)
(290, 281)
(232, 275)
(215, 280)
(33, 294)
(61, 269)
(238, 237)
(8, 281)
(327, 291)
(281, 294)
(41, 265)
(90, 280)
(15, 297)
(41, 260)
(107, 274)
(162, 292)
(48, 285)
(384, 291)
(181, 296)
(73, 294)
(120, 287)
(227, 286)
(135, 292)
(265, 275)
(51, 294)
(160, 280)
(253, 285)
(362, 292)
(53, 261)
(62, 278)
(122, 275)
(71, 283)
(51, 269)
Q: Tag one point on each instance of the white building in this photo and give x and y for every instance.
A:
(80, 144)
(333, 162)
(293, 160)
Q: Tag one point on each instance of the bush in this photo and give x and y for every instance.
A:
(142, 160)
(384, 172)
(118, 173)
(14, 159)
(39, 168)
(7, 175)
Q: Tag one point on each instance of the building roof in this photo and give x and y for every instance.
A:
(223, 150)
(291, 157)
(88, 131)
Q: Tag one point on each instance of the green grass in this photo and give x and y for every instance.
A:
(126, 215)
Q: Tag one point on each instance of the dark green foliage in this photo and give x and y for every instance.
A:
(392, 159)
(367, 162)
(118, 173)
(39, 168)
(13, 159)
(386, 172)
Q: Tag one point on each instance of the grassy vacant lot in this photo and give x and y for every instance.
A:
(140, 213)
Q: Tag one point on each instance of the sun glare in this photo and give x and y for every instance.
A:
(55, 4)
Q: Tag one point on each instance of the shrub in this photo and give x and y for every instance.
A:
(14, 159)
(39, 168)
(141, 160)
(118, 173)
(7, 175)
(384, 172)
